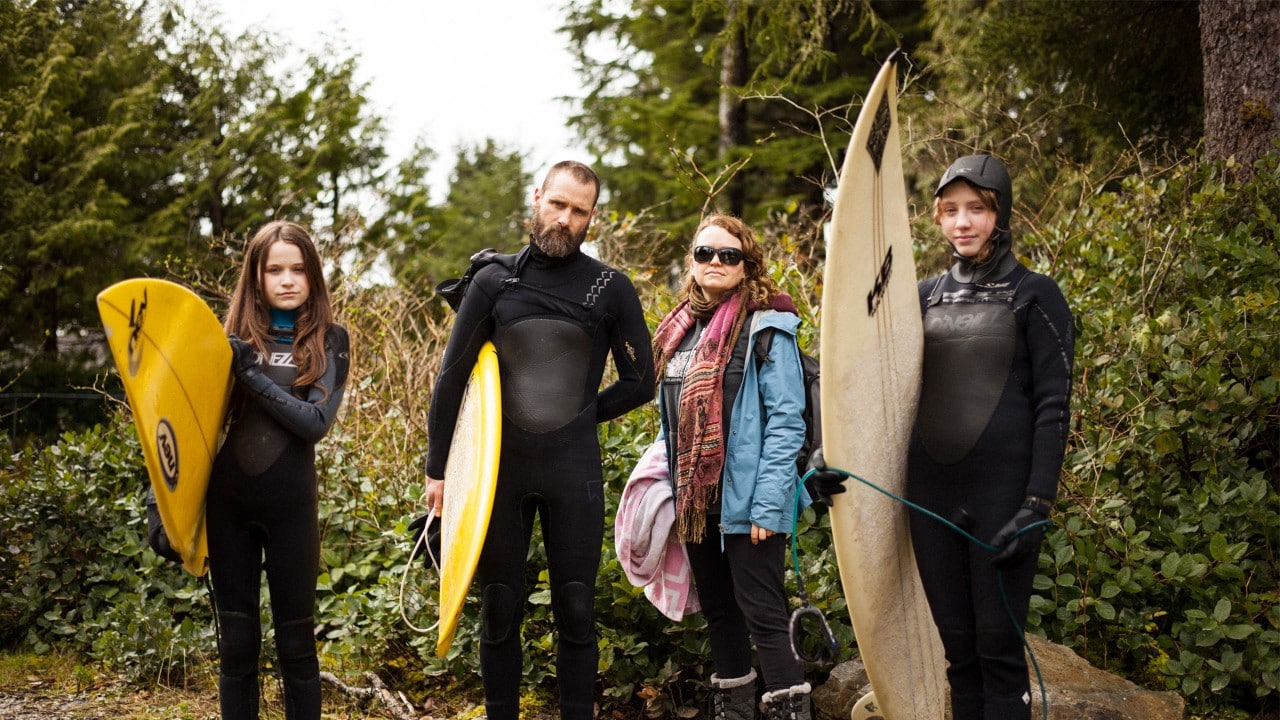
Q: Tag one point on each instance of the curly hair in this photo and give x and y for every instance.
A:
(759, 289)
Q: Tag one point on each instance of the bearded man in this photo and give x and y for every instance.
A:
(555, 320)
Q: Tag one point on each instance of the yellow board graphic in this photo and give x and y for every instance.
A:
(471, 478)
(872, 345)
(174, 359)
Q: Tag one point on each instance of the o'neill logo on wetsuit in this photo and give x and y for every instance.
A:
(167, 453)
(960, 322)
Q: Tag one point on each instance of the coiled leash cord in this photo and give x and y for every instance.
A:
(421, 544)
(826, 651)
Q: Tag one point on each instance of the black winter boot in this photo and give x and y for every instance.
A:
(734, 698)
(789, 704)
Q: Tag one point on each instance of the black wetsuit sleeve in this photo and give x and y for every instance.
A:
(473, 326)
(1051, 342)
(632, 357)
(309, 418)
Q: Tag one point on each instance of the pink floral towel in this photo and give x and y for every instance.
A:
(645, 537)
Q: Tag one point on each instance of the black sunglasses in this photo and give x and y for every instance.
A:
(702, 254)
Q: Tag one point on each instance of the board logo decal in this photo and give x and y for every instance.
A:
(882, 283)
(167, 452)
(137, 310)
(879, 135)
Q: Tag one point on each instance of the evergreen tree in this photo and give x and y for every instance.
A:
(489, 196)
(75, 94)
(673, 130)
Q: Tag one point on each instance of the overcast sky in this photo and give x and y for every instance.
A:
(451, 71)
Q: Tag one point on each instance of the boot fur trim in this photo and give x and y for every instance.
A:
(801, 689)
(727, 683)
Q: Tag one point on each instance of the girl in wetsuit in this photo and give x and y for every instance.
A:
(733, 425)
(290, 363)
(989, 439)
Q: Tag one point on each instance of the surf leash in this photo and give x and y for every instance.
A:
(421, 544)
(1044, 696)
(824, 649)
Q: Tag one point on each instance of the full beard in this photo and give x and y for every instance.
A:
(555, 240)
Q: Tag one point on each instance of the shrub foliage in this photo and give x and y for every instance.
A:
(1163, 566)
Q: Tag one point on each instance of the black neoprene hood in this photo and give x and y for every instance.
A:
(983, 171)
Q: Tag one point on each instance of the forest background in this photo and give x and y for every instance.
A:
(137, 140)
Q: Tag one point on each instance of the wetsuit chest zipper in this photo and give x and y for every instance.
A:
(513, 283)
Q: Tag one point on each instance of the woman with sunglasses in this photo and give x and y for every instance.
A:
(731, 398)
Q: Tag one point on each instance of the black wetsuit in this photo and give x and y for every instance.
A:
(554, 326)
(991, 430)
(262, 505)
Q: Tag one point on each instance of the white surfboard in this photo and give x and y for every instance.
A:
(872, 344)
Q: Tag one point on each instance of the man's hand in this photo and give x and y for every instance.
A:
(433, 496)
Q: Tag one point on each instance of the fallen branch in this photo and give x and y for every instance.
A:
(399, 707)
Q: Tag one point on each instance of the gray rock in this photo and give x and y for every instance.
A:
(1076, 689)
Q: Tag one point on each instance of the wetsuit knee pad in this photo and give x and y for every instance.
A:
(500, 613)
(239, 639)
(1004, 663)
(963, 669)
(295, 640)
(574, 607)
(299, 667)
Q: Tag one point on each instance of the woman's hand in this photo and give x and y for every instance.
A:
(759, 534)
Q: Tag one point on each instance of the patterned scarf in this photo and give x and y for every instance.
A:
(700, 436)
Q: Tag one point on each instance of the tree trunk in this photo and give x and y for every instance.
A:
(1240, 44)
(733, 114)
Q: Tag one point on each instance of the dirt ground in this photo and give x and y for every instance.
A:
(60, 687)
(52, 688)
(59, 694)
(43, 701)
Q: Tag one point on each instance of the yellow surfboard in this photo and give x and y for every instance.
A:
(470, 480)
(173, 357)
(872, 346)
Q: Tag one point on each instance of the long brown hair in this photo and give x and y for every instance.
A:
(249, 316)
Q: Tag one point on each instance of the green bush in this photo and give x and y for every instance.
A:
(1165, 567)
(76, 569)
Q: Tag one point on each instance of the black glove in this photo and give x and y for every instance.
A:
(156, 537)
(243, 356)
(1015, 549)
(433, 539)
(823, 483)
